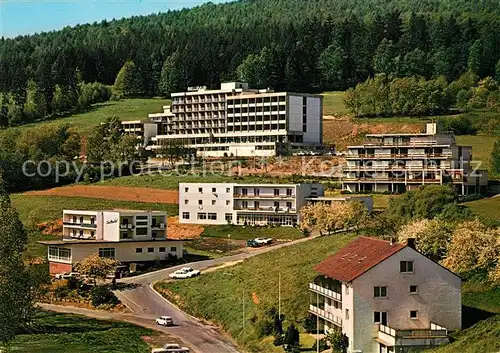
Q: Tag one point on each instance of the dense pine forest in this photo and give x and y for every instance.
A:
(298, 45)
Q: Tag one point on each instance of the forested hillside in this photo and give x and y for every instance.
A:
(300, 45)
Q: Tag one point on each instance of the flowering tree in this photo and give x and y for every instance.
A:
(96, 267)
(474, 248)
(432, 236)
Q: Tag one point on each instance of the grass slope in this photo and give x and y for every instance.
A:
(333, 103)
(245, 233)
(47, 208)
(58, 333)
(125, 109)
(217, 296)
(481, 148)
(486, 209)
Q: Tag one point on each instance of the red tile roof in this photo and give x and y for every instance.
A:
(356, 258)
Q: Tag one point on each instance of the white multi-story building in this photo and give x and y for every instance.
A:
(127, 236)
(244, 204)
(402, 162)
(386, 297)
(144, 131)
(238, 121)
(251, 204)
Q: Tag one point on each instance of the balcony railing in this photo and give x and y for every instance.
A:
(263, 196)
(420, 337)
(126, 226)
(399, 155)
(80, 225)
(158, 226)
(325, 315)
(267, 209)
(325, 292)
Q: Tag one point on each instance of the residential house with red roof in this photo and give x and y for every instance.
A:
(386, 297)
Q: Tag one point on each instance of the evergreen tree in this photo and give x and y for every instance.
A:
(126, 83)
(332, 64)
(292, 338)
(475, 54)
(35, 106)
(171, 77)
(15, 304)
(384, 59)
(495, 158)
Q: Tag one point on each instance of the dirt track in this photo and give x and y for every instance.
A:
(120, 193)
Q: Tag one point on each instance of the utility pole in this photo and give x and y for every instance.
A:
(317, 324)
(279, 295)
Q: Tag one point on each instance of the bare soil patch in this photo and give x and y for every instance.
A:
(119, 193)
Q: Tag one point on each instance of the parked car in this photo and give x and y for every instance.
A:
(263, 241)
(252, 243)
(165, 321)
(185, 272)
(67, 275)
(171, 348)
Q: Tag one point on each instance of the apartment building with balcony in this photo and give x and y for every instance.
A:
(238, 121)
(125, 235)
(143, 131)
(385, 297)
(244, 204)
(401, 162)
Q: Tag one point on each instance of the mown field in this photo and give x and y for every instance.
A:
(217, 296)
(486, 209)
(58, 333)
(125, 109)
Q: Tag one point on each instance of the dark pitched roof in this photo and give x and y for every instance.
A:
(356, 258)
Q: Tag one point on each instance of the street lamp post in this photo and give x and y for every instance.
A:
(242, 296)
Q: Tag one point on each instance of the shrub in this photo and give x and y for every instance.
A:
(323, 345)
(100, 295)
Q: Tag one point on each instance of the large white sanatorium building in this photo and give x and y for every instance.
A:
(385, 297)
(236, 121)
(401, 162)
(250, 204)
(127, 236)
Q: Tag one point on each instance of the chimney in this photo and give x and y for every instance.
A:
(411, 243)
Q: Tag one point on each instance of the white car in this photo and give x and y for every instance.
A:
(185, 272)
(171, 348)
(67, 275)
(165, 321)
(263, 241)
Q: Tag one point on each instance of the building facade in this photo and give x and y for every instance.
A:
(143, 131)
(386, 297)
(126, 236)
(238, 121)
(244, 204)
(401, 162)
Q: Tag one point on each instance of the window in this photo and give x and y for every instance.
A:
(151, 250)
(200, 190)
(185, 215)
(213, 202)
(288, 192)
(141, 231)
(257, 204)
(289, 204)
(81, 219)
(138, 250)
(276, 192)
(92, 233)
(107, 252)
(200, 202)
(380, 292)
(74, 219)
(244, 204)
(347, 314)
(228, 202)
(60, 254)
(229, 217)
(162, 249)
(276, 204)
(214, 190)
(380, 317)
(256, 192)
(81, 233)
(212, 216)
(92, 220)
(244, 192)
(186, 189)
(413, 290)
(186, 202)
(406, 266)
(173, 249)
(228, 190)
(413, 314)
(202, 216)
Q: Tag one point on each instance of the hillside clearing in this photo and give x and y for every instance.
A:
(249, 232)
(486, 209)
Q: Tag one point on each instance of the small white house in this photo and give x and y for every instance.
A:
(124, 235)
(386, 297)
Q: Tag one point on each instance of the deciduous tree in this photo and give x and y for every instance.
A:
(96, 267)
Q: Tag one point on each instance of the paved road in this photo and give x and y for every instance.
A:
(200, 337)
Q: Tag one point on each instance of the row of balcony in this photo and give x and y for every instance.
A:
(80, 225)
(434, 336)
(197, 109)
(231, 104)
(263, 196)
(387, 179)
(326, 315)
(400, 155)
(267, 209)
(200, 100)
(131, 226)
(398, 167)
(325, 292)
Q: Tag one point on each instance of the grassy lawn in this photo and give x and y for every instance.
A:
(333, 103)
(48, 208)
(248, 232)
(125, 109)
(481, 148)
(58, 333)
(486, 209)
(217, 296)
